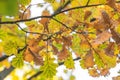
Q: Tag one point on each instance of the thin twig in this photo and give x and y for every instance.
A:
(28, 31)
(87, 3)
(78, 7)
(61, 7)
(25, 20)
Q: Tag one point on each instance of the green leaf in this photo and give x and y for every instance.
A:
(98, 61)
(18, 61)
(69, 63)
(8, 7)
(24, 2)
(2, 34)
(82, 64)
(58, 46)
(50, 1)
(49, 68)
(10, 47)
(76, 43)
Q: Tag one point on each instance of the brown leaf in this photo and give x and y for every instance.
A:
(63, 54)
(116, 78)
(115, 36)
(106, 18)
(110, 49)
(87, 14)
(38, 60)
(28, 56)
(25, 15)
(99, 25)
(112, 4)
(44, 21)
(104, 72)
(104, 36)
(89, 60)
(93, 73)
(67, 40)
(55, 49)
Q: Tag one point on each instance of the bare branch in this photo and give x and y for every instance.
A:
(3, 57)
(6, 72)
(25, 20)
(87, 3)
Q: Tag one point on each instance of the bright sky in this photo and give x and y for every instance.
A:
(79, 73)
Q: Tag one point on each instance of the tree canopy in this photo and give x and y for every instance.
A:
(89, 29)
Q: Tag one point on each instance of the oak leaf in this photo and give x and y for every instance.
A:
(63, 54)
(102, 37)
(112, 4)
(87, 14)
(93, 72)
(88, 60)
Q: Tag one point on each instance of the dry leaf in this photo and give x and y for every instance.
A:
(115, 36)
(28, 56)
(89, 60)
(63, 54)
(87, 14)
(110, 49)
(116, 78)
(38, 60)
(44, 21)
(55, 50)
(93, 72)
(67, 40)
(104, 72)
(111, 3)
(104, 36)
(25, 15)
(106, 18)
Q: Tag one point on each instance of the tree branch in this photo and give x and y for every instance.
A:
(39, 72)
(78, 7)
(3, 57)
(25, 20)
(6, 72)
(87, 3)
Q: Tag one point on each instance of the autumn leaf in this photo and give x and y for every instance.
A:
(63, 54)
(104, 72)
(69, 63)
(115, 36)
(87, 14)
(116, 78)
(49, 67)
(88, 60)
(93, 72)
(106, 18)
(104, 36)
(112, 4)
(44, 21)
(67, 41)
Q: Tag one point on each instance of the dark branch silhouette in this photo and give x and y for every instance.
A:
(6, 72)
